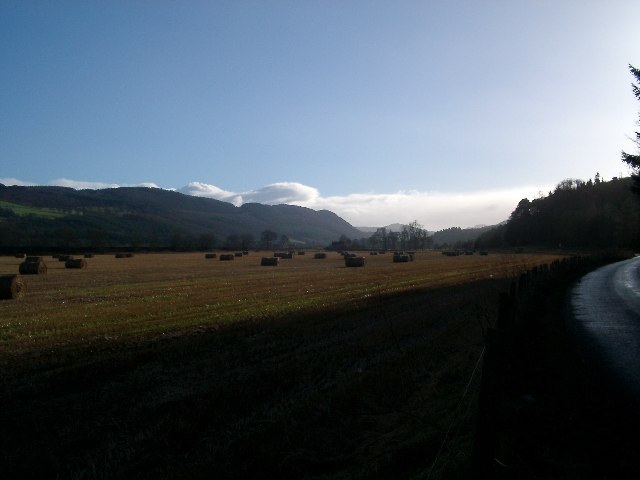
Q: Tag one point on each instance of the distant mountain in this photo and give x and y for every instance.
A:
(394, 227)
(150, 217)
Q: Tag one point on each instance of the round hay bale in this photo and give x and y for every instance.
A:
(33, 259)
(320, 255)
(227, 256)
(32, 268)
(210, 255)
(400, 258)
(20, 255)
(11, 287)
(373, 253)
(354, 261)
(301, 252)
(88, 255)
(128, 255)
(245, 252)
(121, 255)
(269, 261)
(237, 254)
(76, 263)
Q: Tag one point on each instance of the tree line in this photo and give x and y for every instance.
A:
(411, 237)
(591, 214)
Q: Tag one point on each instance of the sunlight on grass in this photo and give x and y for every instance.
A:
(158, 294)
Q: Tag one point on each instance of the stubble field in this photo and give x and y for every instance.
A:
(177, 366)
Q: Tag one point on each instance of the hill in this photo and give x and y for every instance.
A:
(150, 217)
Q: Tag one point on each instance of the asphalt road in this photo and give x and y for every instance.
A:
(606, 322)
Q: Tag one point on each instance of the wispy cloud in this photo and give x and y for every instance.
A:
(277, 193)
(435, 210)
(76, 184)
(82, 185)
(15, 181)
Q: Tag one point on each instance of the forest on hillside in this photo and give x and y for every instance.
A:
(46, 218)
(576, 214)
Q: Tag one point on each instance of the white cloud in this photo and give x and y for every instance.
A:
(82, 185)
(14, 181)
(282, 192)
(199, 189)
(434, 210)
(277, 193)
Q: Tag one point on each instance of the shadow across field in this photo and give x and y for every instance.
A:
(364, 392)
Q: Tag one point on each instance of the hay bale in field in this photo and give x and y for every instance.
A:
(33, 259)
(11, 287)
(121, 255)
(354, 261)
(373, 253)
(238, 254)
(269, 261)
(32, 268)
(320, 255)
(64, 258)
(284, 255)
(20, 255)
(301, 252)
(484, 253)
(210, 255)
(75, 263)
(400, 258)
(88, 255)
(227, 256)
(128, 255)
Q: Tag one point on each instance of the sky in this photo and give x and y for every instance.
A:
(444, 112)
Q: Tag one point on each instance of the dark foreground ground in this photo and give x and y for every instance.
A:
(373, 393)
(561, 415)
(385, 391)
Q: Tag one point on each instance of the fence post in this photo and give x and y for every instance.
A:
(493, 372)
(486, 433)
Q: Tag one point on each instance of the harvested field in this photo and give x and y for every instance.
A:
(166, 366)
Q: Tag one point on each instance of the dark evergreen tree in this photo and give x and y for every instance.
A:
(630, 159)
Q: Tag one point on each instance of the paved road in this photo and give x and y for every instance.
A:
(606, 320)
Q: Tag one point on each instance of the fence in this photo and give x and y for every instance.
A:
(524, 312)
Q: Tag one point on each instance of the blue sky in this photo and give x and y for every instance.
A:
(446, 112)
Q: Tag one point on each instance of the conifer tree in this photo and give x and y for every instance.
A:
(634, 160)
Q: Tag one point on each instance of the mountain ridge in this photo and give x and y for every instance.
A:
(150, 217)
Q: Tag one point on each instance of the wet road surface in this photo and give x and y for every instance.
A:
(606, 321)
